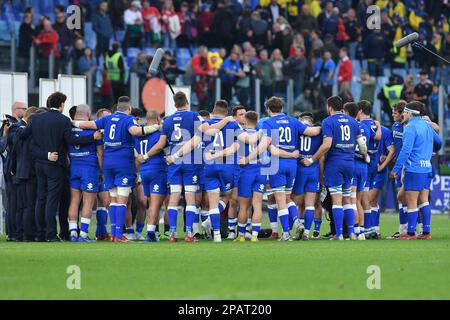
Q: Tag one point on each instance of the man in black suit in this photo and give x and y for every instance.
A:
(52, 132)
(24, 174)
(8, 129)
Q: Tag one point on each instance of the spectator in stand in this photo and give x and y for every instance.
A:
(76, 53)
(133, 21)
(305, 20)
(316, 8)
(115, 71)
(215, 61)
(422, 92)
(327, 75)
(288, 37)
(243, 84)
(316, 42)
(26, 33)
(275, 11)
(299, 42)
(171, 27)
(279, 86)
(368, 85)
(189, 32)
(408, 88)
(375, 48)
(260, 30)
(231, 71)
(65, 38)
(204, 74)
(353, 30)
(102, 26)
(276, 40)
(434, 103)
(205, 21)
(345, 74)
(295, 68)
(140, 67)
(328, 20)
(87, 62)
(151, 16)
(266, 73)
(445, 51)
(303, 102)
(47, 40)
(243, 26)
(391, 94)
(222, 27)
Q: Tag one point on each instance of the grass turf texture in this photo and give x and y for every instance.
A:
(318, 269)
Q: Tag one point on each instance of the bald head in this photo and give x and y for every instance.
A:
(18, 109)
(153, 117)
(83, 112)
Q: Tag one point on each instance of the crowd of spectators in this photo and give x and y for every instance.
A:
(316, 43)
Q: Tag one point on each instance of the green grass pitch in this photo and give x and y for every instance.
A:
(318, 269)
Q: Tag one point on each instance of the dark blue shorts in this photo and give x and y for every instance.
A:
(417, 181)
(339, 174)
(85, 178)
(380, 180)
(251, 181)
(307, 180)
(119, 177)
(154, 182)
(360, 174)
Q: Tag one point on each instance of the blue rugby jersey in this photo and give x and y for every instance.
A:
(118, 141)
(307, 147)
(285, 132)
(245, 149)
(397, 135)
(417, 150)
(386, 141)
(180, 128)
(143, 145)
(343, 129)
(221, 140)
(372, 144)
(84, 155)
(366, 133)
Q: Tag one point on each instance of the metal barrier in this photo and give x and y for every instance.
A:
(90, 88)
(134, 89)
(290, 97)
(218, 89)
(258, 96)
(32, 79)
(441, 118)
(13, 52)
(51, 65)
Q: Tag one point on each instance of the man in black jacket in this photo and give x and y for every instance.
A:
(24, 176)
(52, 132)
(8, 128)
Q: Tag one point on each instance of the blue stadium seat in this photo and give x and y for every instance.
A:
(90, 36)
(183, 57)
(5, 35)
(133, 52)
(213, 49)
(149, 52)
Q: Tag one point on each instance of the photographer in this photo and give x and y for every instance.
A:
(8, 128)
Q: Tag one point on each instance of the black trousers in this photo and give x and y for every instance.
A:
(63, 211)
(29, 188)
(50, 184)
(11, 208)
(102, 45)
(20, 209)
(118, 88)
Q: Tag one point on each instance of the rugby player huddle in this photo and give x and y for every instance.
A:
(227, 163)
